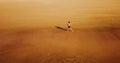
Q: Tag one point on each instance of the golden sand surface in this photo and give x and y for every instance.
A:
(53, 45)
(34, 31)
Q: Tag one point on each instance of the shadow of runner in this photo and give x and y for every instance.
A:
(58, 27)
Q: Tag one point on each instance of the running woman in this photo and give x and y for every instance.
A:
(69, 26)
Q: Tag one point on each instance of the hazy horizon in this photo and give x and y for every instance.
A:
(48, 13)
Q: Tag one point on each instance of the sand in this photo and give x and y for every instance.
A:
(53, 45)
(33, 31)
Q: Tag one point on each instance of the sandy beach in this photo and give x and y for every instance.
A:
(33, 31)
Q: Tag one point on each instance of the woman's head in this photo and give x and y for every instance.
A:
(68, 21)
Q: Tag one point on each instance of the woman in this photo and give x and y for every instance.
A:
(69, 26)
